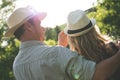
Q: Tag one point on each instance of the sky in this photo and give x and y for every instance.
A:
(57, 10)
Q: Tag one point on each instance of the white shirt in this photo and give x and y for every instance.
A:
(37, 61)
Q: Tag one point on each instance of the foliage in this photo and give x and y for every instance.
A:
(52, 33)
(107, 14)
(7, 55)
(50, 42)
(8, 49)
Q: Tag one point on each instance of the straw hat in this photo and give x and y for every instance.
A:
(19, 17)
(78, 23)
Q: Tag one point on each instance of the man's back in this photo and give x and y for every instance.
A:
(37, 61)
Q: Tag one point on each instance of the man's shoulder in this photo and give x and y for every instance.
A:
(60, 48)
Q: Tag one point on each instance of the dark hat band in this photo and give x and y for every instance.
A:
(80, 30)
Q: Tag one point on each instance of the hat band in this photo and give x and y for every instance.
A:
(80, 30)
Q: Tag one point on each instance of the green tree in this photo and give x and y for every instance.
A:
(8, 48)
(52, 33)
(57, 30)
(107, 14)
(50, 42)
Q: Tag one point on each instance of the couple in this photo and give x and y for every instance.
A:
(37, 61)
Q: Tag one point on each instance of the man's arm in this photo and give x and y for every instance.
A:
(80, 68)
(107, 67)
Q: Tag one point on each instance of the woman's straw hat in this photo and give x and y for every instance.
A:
(78, 23)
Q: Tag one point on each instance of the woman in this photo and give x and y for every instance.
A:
(84, 38)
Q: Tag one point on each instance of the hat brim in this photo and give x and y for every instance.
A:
(93, 21)
(10, 32)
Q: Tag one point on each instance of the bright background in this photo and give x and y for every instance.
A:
(57, 10)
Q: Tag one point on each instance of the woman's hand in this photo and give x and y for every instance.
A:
(118, 43)
(62, 39)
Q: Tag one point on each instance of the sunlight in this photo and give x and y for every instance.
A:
(57, 10)
(0, 2)
(4, 44)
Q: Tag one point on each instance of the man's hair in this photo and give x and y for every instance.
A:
(19, 32)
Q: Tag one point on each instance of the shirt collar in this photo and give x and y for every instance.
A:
(30, 43)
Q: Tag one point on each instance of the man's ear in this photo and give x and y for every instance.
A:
(28, 26)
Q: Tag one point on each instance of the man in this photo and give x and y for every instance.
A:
(37, 61)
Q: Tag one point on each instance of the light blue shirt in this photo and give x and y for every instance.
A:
(37, 61)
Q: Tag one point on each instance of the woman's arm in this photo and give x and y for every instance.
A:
(62, 39)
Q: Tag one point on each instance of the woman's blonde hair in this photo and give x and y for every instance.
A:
(91, 45)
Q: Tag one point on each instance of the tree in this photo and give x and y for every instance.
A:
(8, 48)
(52, 33)
(107, 14)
